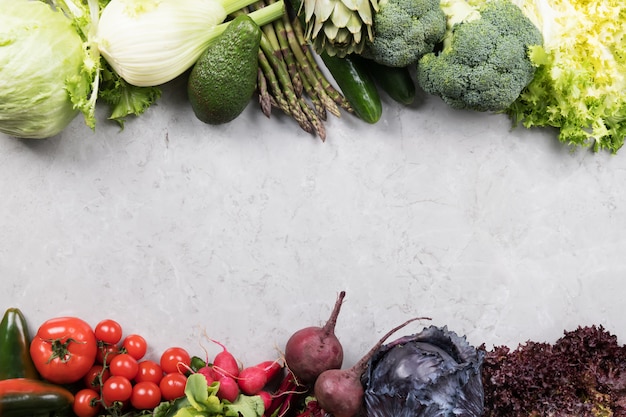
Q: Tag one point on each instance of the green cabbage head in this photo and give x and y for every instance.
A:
(41, 55)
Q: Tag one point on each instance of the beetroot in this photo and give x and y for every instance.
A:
(312, 350)
(339, 391)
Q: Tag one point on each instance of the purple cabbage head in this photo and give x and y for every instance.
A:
(434, 373)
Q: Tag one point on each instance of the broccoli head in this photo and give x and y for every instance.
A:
(404, 30)
(484, 63)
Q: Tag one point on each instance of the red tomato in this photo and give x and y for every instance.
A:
(95, 376)
(149, 371)
(175, 359)
(124, 365)
(135, 345)
(108, 331)
(116, 388)
(173, 386)
(146, 395)
(106, 353)
(64, 349)
(86, 403)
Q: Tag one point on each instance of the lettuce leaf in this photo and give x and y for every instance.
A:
(123, 98)
(583, 373)
(581, 76)
(201, 400)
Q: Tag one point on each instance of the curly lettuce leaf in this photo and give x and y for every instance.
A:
(123, 98)
(581, 76)
(580, 374)
(96, 79)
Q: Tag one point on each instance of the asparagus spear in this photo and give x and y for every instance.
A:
(286, 85)
(306, 69)
(326, 85)
(265, 101)
(282, 52)
(275, 92)
(290, 78)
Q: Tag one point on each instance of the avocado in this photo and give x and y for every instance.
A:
(222, 81)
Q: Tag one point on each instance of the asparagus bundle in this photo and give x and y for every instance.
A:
(290, 78)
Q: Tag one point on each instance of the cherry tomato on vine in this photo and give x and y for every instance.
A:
(86, 403)
(116, 388)
(124, 365)
(146, 395)
(135, 345)
(64, 349)
(175, 359)
(108, 331)
(106, 353)
(95, 376)
(149, 371)
(172, 386)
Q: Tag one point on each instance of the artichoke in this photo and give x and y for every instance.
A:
(339, 27)
(434, 373)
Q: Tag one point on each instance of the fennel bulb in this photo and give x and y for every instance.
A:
(41, 57)
(151, 42)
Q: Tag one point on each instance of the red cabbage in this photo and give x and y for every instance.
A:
(434, 373)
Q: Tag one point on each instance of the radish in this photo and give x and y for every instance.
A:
(228, 389)
(312, 350)
(208, 373)
(224, 362)
(253, 379)
(339, 391)
(271, 368)
(266, 396)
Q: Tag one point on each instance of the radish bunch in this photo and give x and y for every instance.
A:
(234, 379)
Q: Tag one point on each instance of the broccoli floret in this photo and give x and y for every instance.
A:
(484, 63)
(404, 30)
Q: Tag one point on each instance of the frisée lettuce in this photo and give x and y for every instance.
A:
(580, 80)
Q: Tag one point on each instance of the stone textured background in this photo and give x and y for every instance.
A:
(248, 230)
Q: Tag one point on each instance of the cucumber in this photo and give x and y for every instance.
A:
(395, 81)
(356, 84)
